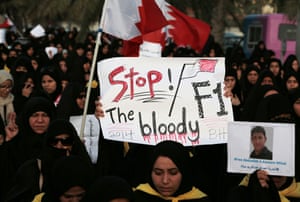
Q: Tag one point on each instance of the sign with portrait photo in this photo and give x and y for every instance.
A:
(261, 146)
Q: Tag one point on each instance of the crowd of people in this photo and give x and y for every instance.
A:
(43, 159)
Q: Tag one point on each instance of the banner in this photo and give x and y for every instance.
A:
(148, 100)
(127, 19)
(90, 134)
(261, 146)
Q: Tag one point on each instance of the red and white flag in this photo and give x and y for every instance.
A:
(185, 30)
(7, 23)
(127, 19)
(136, 21)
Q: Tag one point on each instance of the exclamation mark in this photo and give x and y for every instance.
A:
(171, 87)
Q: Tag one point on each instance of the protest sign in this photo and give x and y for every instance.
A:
(38, 31)
(90, 135)
(148, 100)
(261, 146)
(2, 35)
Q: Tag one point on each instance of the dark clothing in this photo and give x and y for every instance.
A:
(26, 145)
(250, 190)
(145, 193)
(264, 154)
(27, 185)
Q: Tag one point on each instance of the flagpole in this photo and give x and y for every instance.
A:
(98, 43)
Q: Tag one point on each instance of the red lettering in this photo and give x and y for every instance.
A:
(118, 82)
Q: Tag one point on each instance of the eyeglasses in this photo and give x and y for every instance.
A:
(64, 141)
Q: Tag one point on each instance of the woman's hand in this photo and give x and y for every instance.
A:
(235, 101)
(263, 178)
(27, 90)
(11, 129)
(99, 112)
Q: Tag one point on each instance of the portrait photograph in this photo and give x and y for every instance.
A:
(261, 146)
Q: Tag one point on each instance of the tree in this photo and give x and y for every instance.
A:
(46, 12)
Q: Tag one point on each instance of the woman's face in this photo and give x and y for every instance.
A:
(39, 122)
(80, 100)
(296, 107)
(275, 68)
(63, 141)
(267, 81)
(295, 65)
(63, 66)
(292, 83)
(230, 82)
(166, 177)
(34, 64)
(252, 77)
(74, 194)
(48, 84)
(5, 88)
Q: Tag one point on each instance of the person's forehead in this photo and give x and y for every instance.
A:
(258, 134)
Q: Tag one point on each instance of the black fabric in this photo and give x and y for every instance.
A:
(251, 104)
(26, 145)
(107, 188)
(27, 184)
(271, 107)
(140, 196)
(111, 159)
(137, 164)
(254, 192)
(68, 172)
(68, 107)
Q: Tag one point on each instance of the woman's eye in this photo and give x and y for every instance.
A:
(173, 172)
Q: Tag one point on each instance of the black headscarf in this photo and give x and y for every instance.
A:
(180, 157)
(274, 107)
(49, 154)
(68, 172)
(53, 73)
(68, 106)
(32, 142)
(255, 97)
(107, 188)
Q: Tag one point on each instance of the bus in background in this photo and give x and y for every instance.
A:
(276, 30)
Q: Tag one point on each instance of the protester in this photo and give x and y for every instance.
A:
(6, 97)
(50, 84)
(23, 92)
(32, 177)
(26, 141)
(72, 101)
(259, 185)
(170, 176)
(291, 64)
(70, 178)
(290, 82)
